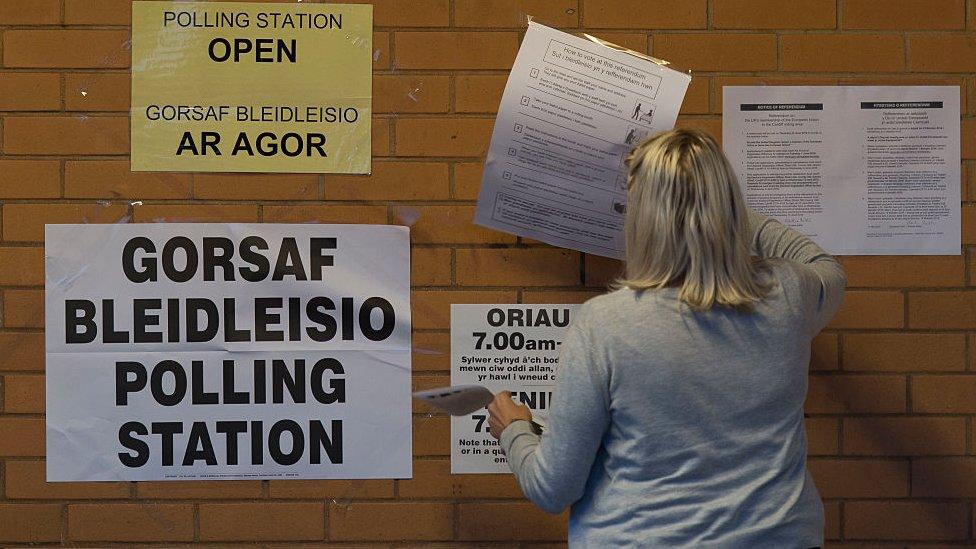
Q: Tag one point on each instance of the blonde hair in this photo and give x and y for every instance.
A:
(687, 225)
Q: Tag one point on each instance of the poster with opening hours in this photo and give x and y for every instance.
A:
(502, 347)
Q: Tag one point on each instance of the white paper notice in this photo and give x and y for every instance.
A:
(862, 170)
(571, 113)
(503, 348)
(216, 351)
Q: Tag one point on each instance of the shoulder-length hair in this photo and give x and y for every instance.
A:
(687, 225)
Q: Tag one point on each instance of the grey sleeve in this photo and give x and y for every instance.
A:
(822, 279)
(552, 469)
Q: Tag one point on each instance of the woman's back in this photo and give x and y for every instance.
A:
(677, 416)
(706, 442)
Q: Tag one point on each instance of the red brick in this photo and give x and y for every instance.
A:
(774, 14)
(97, 12)
(839, 394)
(321, 213)
(863, 309)
(496, 521)
(430, 267)
(30, 522)
(30, 179)
(432, 308)
(21, 436)
(467, 180)
(558, 296)
(479, 93)
(928, 309)
(194, 213)
(381, 52)
(23, 308)
(397, 93)
(447, 225)
(64, 48)
(262, 521)
(380, 145)
(27, 480)
(256, 186)
(906, 520)
(842, 52)
(944, 394)
(823, 436)
(391, 522)
(21, 266)
(602, 271)
(21, 352)
(823, 352)
(431, 436)
(23, 394)
(944, 477)
(199, 489)
(861, 478)
(512, 13)
(904, 352)
(130, 522)
(29, 91)
(392, 181)
(35, 12)
(942, 52)
(66, 135)
(341, 490)
(409, 13)
(696, 98)
(904, 436)
(720, 82)
(113, 179)
(452, 50)
(710, 125)
(96, 92)
(717, 52)
(518, 267)
(25, 222)
(636, 41)
(644, 14)
(901, 271)
(431, 351)
(968, 143)
(432, 137)
(904, 14)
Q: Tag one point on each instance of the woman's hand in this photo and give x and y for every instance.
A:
(504, 411)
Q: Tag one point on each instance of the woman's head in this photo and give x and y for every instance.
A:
(686, 223)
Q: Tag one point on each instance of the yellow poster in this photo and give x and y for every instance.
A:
(251, 87)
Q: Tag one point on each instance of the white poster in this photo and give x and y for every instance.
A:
(227, 351)
(862, 170)
(572, 111)
(502, 347)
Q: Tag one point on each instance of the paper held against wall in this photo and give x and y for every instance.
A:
(861, 169)
(572, 111)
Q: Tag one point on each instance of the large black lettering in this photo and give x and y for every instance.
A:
(129, 441)
(148, 263)
(179, 383)
(79, 328)
(125, 384)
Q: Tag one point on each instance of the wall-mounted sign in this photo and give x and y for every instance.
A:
(251, 87)
(215, 351)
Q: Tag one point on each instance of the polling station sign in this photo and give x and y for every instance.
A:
(227, 351)
(503, 348)
(251, 87)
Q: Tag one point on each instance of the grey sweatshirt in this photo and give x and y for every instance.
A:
(675, 428)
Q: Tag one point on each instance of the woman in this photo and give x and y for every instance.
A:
(677, 417)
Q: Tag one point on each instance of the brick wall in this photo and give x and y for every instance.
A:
(893, 382)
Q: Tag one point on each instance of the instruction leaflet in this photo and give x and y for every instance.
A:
(861, 169)
(572, 111)
(502, 347)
